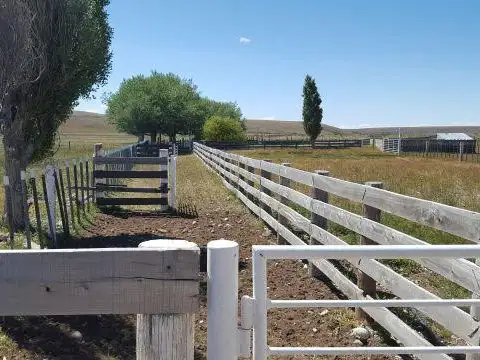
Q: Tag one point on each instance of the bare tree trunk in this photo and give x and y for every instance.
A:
(13, 165)
(153, 137)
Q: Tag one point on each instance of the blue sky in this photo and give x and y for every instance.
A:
(376, 63)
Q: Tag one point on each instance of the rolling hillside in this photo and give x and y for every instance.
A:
(85, 123)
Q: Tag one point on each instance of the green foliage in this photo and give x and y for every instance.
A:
(223, 128)
(76, 58)
(159, 103)
(312, 112)
(165, 104)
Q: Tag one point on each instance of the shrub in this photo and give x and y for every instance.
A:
(222, 128)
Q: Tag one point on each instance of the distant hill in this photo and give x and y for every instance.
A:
(82, 122)
(289, 128)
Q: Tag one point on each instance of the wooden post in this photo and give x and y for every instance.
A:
(64, 204)
(70, 197)
(60, 204)
(475, 313)
(365, 282)
(265, 175)
(241, 177)
(166, 336)
(87, 184)
(284, 181)
(26, 218)
(51, 203)
(8, 200)
(318, 220)
(251, 170)
(33, 184)
(99, 152)
(82, 187)
(75, 182)
(51, 227)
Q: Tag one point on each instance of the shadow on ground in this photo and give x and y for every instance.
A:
(121, 240)
(187, 211)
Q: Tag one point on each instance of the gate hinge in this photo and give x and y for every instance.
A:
(244, 331)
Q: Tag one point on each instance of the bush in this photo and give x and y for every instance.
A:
(222, 128)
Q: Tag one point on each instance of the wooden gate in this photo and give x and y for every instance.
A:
(102, 175)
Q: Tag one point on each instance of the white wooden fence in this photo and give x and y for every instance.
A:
(158, 281)
(271, 201)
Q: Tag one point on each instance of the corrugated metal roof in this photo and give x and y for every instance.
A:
(453, 136)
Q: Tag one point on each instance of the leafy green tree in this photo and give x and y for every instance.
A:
(130, 108)
(223, 128)
(155, 104)
(312, 111)
(52, 52)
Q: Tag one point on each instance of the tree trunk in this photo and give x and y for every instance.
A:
(13, 165)
(141, 137)
(153, 137)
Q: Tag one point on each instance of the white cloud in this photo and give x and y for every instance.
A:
(244, 40)
(267, 118)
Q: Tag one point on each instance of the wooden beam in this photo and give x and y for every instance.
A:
(132, 201)
(125, 189)
(132, 174)
(131, 160)
(98, 281)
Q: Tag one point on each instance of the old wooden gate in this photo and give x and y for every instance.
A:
(111, 169)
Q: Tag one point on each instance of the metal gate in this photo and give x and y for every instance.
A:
(228, 341)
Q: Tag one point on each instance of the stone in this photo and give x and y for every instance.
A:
(77, 335)
(315, 330)
(357, 342)
(361, 333)
(324, 312)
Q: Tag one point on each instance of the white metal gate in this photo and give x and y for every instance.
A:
(228, 341)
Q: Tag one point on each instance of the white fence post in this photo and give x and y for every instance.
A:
(222, 299)
(173, 179)
(166, 336)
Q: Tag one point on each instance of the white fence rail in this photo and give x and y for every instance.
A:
(266, 189)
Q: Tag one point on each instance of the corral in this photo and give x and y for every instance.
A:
(218, 215)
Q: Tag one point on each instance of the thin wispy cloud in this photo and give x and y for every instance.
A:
(267, 118)
(245, 40)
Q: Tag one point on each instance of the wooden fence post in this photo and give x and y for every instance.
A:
(365, 282)
(82, 187)
(70, 197)
(87, 183)
(64, 198)
(98, 152)
(166, 336)
(284, 181)
(251, 170)
(50, 202)
(60, 204)
(8, 201)
(318, 220)
(265, 175)
(75, 184)
(33, 184)
(26, 218)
